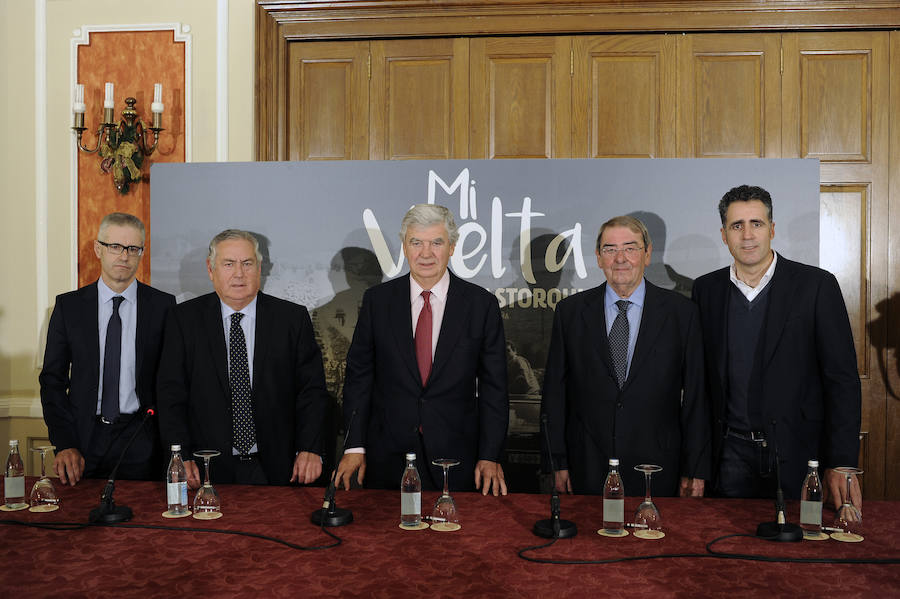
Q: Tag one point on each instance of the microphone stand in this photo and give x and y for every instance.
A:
(330, 514)
(553, 527)
(780, 530)
(108, 512)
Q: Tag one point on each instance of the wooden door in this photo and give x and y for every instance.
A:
(420, 99)
(521, 102)
(836, 108)
(624, 100)
(328, 103)
(729, 96)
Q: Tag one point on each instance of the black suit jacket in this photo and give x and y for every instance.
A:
(70, 378)
(810, 389)
(659, 417)
(462, 412)
(288, 388)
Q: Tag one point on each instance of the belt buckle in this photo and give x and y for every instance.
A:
(757, 437)
(104, 420)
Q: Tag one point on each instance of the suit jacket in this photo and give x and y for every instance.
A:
(810, 391)
(462, 412)
(288, 387)
(660, 416)
(70, 378)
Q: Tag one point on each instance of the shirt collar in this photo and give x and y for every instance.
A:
(636, 297)
(106, 294)
(248, 311)
(747, 289)
(439, 290)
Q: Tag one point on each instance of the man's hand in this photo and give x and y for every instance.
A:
(350, 463)
(562, 481)
(69, 466)
(307, 467)
(491, 473)
(835, 487)
(193, 475)
(691, 487)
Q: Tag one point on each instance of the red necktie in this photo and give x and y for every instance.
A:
(423, 339)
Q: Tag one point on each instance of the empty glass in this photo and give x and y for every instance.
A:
(43, 493)
(647, 522)
(207, 505)
(848, 519)
(444, 516)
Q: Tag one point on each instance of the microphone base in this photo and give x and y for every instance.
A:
(111, 515)
(782, 533)
(337, 516)
(544, 528)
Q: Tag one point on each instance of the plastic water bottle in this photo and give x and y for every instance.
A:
(176, 483)
(410, 494)
(14, 483)
(811, 501)
(613, 500)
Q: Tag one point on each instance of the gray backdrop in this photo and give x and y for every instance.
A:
(329, 230)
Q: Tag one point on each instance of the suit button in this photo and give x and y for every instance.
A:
(619, 405)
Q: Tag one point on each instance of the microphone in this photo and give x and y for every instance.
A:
(780, 530)
(553, 527)
(330, 514)
(108, 512)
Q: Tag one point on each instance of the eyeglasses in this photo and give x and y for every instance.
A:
(116, 249)
(631, 251)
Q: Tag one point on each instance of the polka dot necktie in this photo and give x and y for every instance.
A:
(243, 429)
(618, 341)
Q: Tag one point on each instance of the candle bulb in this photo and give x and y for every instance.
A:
(157, 106)
(108, 101)
(78, 106)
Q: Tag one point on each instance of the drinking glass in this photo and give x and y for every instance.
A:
(647, 522)
(444, 516)
(206, 502)
(43, 493)
(848, 519)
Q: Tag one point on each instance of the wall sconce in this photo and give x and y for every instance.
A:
(121, 145)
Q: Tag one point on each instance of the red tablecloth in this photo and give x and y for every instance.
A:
(377, 559)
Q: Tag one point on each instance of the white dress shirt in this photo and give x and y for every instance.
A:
(751, 292)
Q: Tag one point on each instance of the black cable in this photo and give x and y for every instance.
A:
(84, 525)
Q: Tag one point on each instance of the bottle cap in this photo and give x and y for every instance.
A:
(176, 448)
(13, 442)
(613, 461)
(410, 456)
(813, 463)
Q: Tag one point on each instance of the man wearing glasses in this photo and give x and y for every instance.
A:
(624, 377)
(99, 372)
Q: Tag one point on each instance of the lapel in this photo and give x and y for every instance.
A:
(91, 324)
(594, 317)
(265, 325)
(783, 289)
(215, 334)
(143, 315)
(718, 306)
(653, 316)
(455, 311)
(400, 314)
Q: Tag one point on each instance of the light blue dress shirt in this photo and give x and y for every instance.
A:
(128, 399)
(635, 310)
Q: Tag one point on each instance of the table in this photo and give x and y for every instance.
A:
(377, 559)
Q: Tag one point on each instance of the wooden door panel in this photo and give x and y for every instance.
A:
(521, 97)
(328, 105)
(729, 96)
(419, 99)
(624, 96)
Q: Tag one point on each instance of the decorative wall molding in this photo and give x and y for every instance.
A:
(21, 407)
(222, 31)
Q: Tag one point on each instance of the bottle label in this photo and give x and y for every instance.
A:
(14, 486)
(176, 493)
(410, 504)
(614, 510)
(811, 512)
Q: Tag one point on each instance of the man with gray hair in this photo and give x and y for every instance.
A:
(241, 373)
(99, 371)
(426, 371)
(624, 377)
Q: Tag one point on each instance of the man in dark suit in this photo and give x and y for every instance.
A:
(780, 361)
(426, 371)
(241, 373)
(99, 372)
(624, 377)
